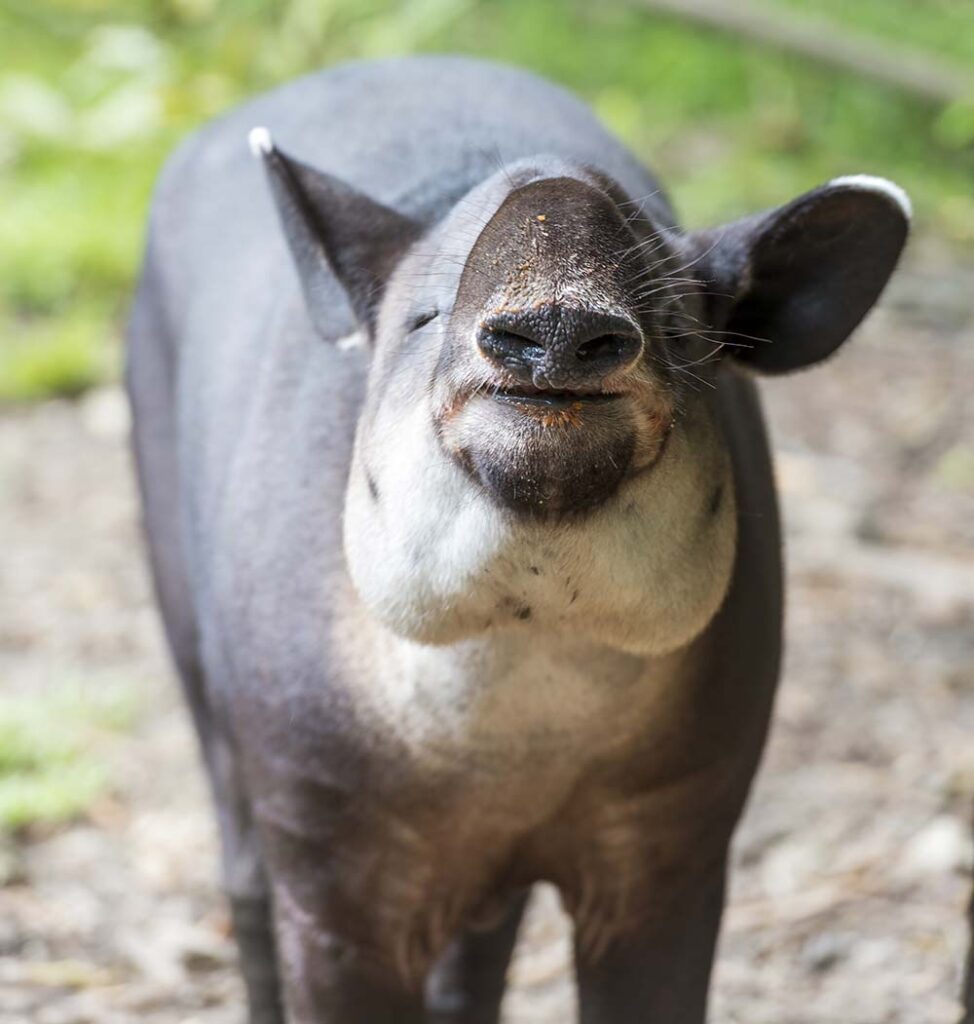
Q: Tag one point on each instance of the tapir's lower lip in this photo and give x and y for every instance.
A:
(552, 399)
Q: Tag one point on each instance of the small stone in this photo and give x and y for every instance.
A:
(203, 953)
(788, 867)
(824, 951)
(105, 413)
(944, 845)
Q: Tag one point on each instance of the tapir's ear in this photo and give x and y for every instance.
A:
(333, 228)
(790, 285)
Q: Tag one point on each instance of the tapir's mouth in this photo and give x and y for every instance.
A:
(551, 452)
(550, 399)
(542, 452)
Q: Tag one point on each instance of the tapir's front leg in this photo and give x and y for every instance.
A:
(646, 891)
(333, 976)
(659, 972)
(467, 985)
(327, 882)
(329, 978)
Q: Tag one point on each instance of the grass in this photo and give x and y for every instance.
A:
(93, 93)
(50, 768)
(64, 353)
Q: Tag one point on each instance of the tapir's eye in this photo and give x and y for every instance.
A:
(422, 319)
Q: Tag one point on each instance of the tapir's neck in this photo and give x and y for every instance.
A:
(506, 702)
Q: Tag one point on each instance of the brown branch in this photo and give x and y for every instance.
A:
(923, 76)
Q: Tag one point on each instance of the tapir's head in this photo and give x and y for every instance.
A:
(544, 364)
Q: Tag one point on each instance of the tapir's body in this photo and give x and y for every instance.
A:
(392, 793)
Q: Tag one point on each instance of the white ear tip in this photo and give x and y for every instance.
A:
(870, 183)
(260, 141)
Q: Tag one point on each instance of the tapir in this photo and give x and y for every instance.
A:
(463, 528)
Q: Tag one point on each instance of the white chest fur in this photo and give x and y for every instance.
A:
(511, 711)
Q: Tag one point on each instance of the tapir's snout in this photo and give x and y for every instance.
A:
(556, 347)
(565, 411)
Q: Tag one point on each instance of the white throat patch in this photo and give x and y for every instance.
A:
(437, 562)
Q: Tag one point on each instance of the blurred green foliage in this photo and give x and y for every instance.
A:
(49, 772)
(93, 93)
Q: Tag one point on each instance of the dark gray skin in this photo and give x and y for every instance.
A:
(494, 596)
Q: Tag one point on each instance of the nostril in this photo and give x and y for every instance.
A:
(558, 344)
(608, 350)
(605, 347)
(506, 346)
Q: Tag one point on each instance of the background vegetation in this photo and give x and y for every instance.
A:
(853, 864)
(93, 93)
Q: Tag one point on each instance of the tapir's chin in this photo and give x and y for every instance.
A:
(547, 455)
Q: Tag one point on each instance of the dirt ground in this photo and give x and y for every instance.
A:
(852, 865)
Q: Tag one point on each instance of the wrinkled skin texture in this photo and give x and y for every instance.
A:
(464, 534)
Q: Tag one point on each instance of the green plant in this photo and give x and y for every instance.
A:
(50, 769)
(94, 93)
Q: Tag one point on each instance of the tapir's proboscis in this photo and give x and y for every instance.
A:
(464, 532)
